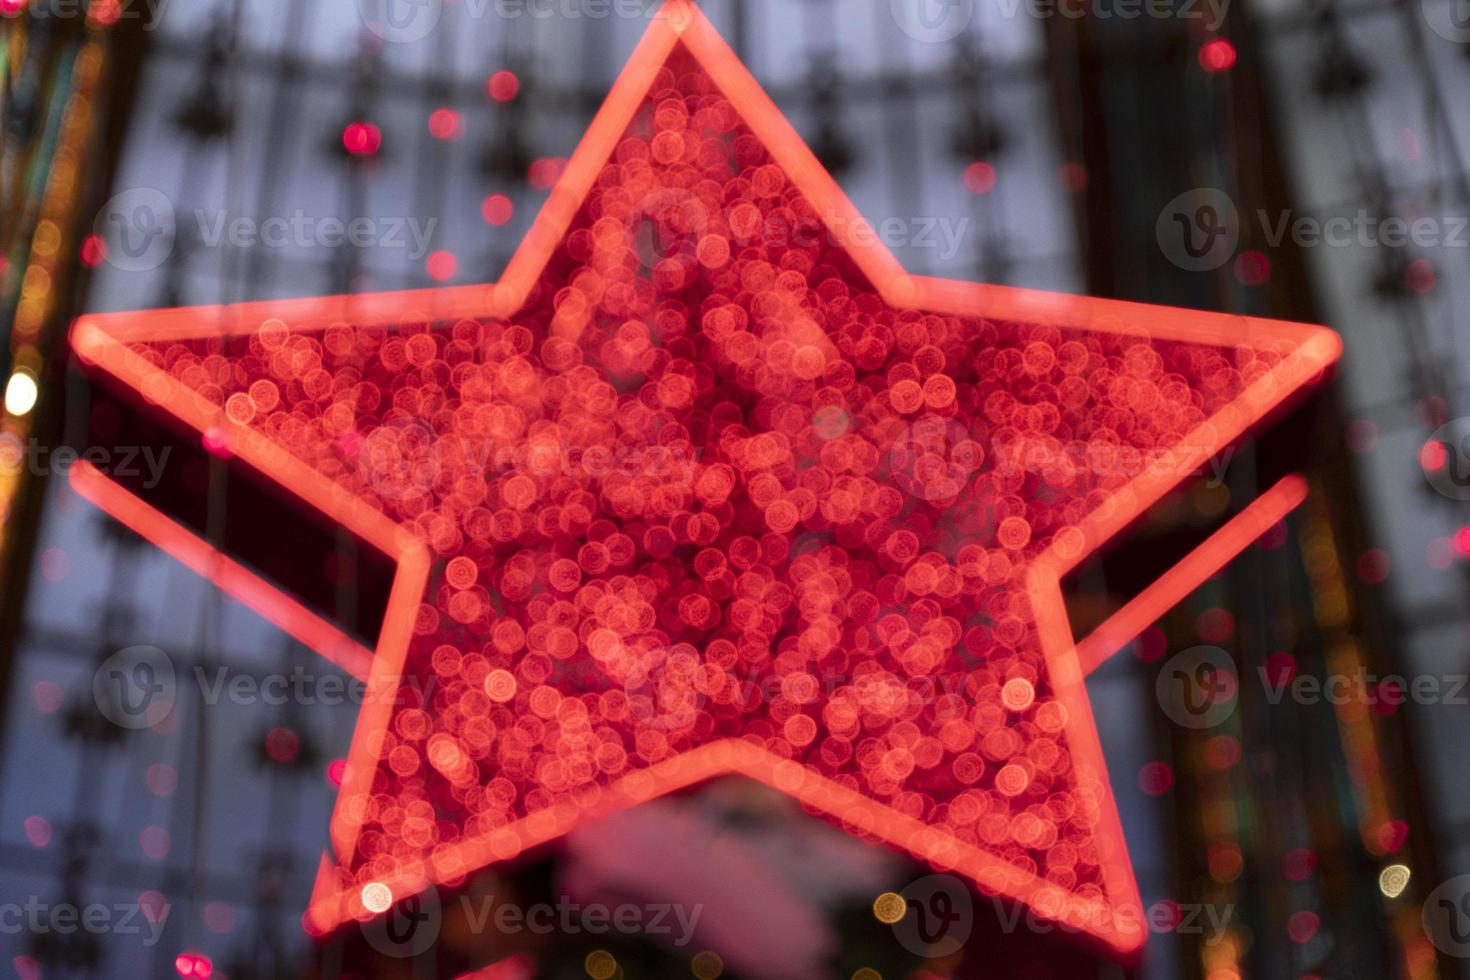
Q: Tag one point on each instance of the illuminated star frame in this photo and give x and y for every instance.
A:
(101, 342)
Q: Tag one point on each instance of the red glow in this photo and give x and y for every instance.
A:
(162, 779)
(104, 13)
(1373, 566)
(219, 917)
(156, 842)
(502, 86)
(362, 139)
(1280, 668)
(1215, 625)
(194, 965)
(11, 8)
(1462, 540)
(658, 583)
(336, 770)
(1420, 277)
(545, 172)
(1074, 178)
(1433, 456)
(1303, 926)
(1222, 751)
(54, 564)
(1252, 268)
(94, 251)
(1156, 778)
(1217, 55)
(980, 177)
(1300, 863)
(497, 209)
(1362, 436)
(442, 266)
(445, 124)
(283, 745)
(47, 697)
(38, 830)
(1392, 836)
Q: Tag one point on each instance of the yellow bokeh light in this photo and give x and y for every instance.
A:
(889, 908)
(601, 965)
(707, 965)
(1393, 879)
(20, 393)
(376, 897)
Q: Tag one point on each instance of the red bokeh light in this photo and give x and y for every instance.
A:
(1156, 778)
(497, 209)
(445, 124)
(1461, 540)
(1373, 566)
(362, 139)
(1303, 926)
(545, 172)
(1217, 55)
(38, 830)
(12, 8)
(161, 779)
(196, 966)
(1420, 277)
(1300, 863)
(502, 86)
(282, 744)
(1433, 456)
(47, 697)
(94, 251)
(980, 177)
(1252, 268)
(1392, 836)
(104, 13)
(441, 265)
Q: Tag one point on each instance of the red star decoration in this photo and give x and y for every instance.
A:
(743, 498)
